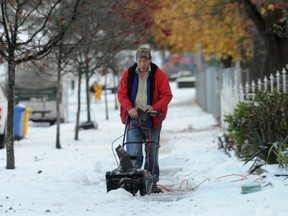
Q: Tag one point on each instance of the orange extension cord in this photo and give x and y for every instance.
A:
(188, 189)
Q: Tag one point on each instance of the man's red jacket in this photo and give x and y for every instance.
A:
(162, 95)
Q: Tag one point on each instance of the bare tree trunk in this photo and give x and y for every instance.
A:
(59, 93)
(105, 95)
(10, 163)
(115, 91)
(87, 94)
(78, 109)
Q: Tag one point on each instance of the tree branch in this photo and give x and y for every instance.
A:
(253, 14)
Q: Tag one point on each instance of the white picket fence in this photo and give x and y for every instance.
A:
(232, 92)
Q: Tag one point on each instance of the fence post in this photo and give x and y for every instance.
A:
(241, 93)
(253, 89)
(259, 83)
(284, 80)
(271, 82)
(265, 83)
(278, 81)
(246, 90)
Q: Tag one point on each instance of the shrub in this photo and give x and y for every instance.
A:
(259, 126)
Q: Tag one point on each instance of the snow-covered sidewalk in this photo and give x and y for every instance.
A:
(197, 177)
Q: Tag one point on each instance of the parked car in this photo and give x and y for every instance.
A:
(184, 79)
(186, 82)
(3, 116)
(38, 91)
(182, 73)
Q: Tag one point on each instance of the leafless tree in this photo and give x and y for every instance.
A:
(29, 31)
(107, 29)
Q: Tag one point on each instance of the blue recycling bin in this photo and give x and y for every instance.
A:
(18, 121)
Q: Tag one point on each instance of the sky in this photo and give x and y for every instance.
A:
(197, 178)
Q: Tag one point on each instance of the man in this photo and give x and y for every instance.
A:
(144, 86)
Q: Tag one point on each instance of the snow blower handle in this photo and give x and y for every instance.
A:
(153, 112)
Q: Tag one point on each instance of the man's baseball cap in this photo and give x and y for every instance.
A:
(143, 52)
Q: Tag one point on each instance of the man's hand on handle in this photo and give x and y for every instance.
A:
(148, 108)
(133, 113)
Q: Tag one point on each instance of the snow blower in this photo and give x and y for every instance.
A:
(127, 176)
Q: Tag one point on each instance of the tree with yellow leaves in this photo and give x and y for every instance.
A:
(238, 30)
